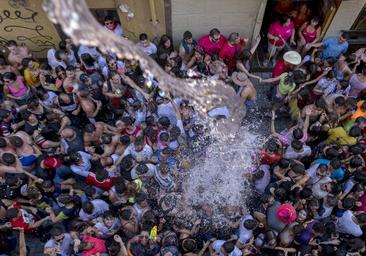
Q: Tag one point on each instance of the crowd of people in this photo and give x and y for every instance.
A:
(92, 152)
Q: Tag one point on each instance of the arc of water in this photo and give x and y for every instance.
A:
(79, 24)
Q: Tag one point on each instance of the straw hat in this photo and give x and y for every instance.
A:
(292, 57)
(239, 78)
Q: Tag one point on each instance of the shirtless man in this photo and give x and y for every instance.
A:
(24, 149)
(17, 54)
(94, 132)
(89, 105)
(123, 143)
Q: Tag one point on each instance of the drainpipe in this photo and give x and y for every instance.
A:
(153, 12)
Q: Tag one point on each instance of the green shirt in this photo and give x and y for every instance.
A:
(284, 88)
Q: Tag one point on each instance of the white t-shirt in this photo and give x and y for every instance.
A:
(150, 173)
(245, 234)
(216, 246)
(94, 53)
(118, 30)
(146, 152)
(107, 230)
(51, 97)
(312, 173)
(84, 168)
(260, 185)
(317, 191)
(149, 50)
(100, 207)
(292, 154)
(166, 109)
(346, 225)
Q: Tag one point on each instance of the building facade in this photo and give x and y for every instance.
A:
(27, 23)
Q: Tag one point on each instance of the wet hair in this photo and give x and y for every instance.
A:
(56, 231)
(250, 224)
(187, 35)
(143, 37)
(127, 162)
(351, 101)
(120, 185)
(356, 161)
(101, 174)
(140, 197)
(65, 198)
(345, 35)
(164, 136)
(87, 59)
(284, 163)
(320, 103)
(298, 134)
(45, 66)
(164, 122)
(16, 141)
(298, 228)
(331, 153)
(75, 157)
(361, 218)
(335, 163)
(10, 76)
(59, 69)
(11, 181)
(89, 128)
(11, 213)
(47, 184)
(340, 101)
(259, 174)
(214, 32)
(319, 228)
(228, 246)
(348, 203)
(70, 68)
(306, 193)
(283, 19)
(108, 17)
(3, 142)
(126, 214)
(296, 144)
(125, 140)
(58, 54)
(127, 120)
(298, 168)
(139, 141)
(331, 74)
(106, 138)
(355, 131)
(272, 146)
(142, 169)
(88, 207)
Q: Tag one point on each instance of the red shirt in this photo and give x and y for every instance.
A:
(211, 48)
(268, 158)
(105, 184)
(136, 132)
(276, 29)
(279, 68)
(228, 52)
(24, 220)
(99, 246)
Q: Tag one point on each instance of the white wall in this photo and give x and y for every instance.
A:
(345, 16)
(200, 16)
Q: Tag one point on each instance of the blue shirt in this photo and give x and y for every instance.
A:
(337, 174)
(332, 47)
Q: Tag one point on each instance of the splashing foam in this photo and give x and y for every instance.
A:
(218, 179)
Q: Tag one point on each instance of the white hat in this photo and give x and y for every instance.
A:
(292, 57)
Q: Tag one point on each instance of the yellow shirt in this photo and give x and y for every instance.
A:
(339, 136)
(28, 76)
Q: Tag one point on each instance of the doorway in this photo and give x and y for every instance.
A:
(300, 11)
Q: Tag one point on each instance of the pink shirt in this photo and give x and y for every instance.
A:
(228, 52)
(99, 246)
(276, 29)
(362, 199)
(211, 48)
(309, 36)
